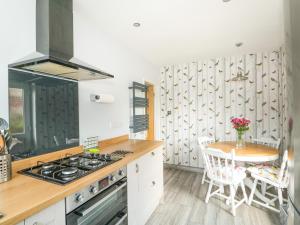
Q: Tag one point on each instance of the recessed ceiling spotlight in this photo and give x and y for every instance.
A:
(226, 0)
(239, 44)
(136, 24)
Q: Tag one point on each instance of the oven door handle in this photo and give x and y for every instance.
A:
(88, 210)
(122, 219)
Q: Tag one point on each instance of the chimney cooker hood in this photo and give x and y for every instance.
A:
(54, 45)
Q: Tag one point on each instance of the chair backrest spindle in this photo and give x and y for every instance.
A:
(203, 142)
(220, 165)
(268, 142)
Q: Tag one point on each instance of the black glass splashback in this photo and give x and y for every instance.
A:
(43, 114)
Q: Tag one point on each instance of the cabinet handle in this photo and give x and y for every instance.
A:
(137, 168)
(153, 183)
(153, 153)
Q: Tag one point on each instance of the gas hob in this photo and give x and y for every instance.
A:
(73, 167)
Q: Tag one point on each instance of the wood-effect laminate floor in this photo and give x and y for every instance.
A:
(183, 204)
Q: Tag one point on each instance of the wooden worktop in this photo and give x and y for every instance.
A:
(24, 196)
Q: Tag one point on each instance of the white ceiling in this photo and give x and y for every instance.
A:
(177, 31)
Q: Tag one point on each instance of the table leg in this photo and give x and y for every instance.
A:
(263, 188)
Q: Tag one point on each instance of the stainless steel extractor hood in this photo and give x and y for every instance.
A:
(54, 54)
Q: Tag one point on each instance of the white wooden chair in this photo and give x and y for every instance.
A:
(276, 177)
(221, 171)
(268, 141)
(271, 143)
(203, 141)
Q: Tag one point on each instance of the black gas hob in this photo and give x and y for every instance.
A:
(68, 169)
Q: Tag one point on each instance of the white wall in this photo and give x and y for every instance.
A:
(107, 120)
(17, 39)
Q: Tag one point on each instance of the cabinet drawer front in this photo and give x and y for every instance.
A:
(151, 166)
(156, 162)
(156, 154)
(54, 215)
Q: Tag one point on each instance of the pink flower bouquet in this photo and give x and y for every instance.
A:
(240, 125)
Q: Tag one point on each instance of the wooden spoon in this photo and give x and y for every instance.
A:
(2, 144)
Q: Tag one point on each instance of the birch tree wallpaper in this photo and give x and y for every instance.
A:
(199, 99)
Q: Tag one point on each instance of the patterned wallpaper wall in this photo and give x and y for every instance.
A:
(199, 99)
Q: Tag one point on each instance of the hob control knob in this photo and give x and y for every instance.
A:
(112, 178)
(121, 172)
(79, 198)
(93, 190)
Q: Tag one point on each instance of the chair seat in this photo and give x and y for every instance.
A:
(239, 174)
(267, 173)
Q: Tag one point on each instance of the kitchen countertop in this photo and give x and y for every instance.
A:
(24, 196)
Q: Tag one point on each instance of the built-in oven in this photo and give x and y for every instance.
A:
(107, 206)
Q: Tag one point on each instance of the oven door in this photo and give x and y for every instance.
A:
(107, 208)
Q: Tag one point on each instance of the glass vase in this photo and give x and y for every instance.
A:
(240, 139)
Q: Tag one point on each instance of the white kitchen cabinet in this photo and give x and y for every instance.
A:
(145, 186)
(133, 192)
(53, 215)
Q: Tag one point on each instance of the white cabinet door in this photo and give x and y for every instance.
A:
(156, 178)
(53, 215)
(151, 182)
(133, 193)
(145, 186)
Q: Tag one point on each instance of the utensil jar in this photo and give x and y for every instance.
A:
(5, 168)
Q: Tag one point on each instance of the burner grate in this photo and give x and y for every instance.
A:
(121, 153)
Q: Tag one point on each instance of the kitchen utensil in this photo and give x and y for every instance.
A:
(3, 128)
(2, 145)
(3, 124)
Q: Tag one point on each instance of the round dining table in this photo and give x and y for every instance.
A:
(253, 153)
(250, 153)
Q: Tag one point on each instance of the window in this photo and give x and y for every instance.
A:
(16, 111)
